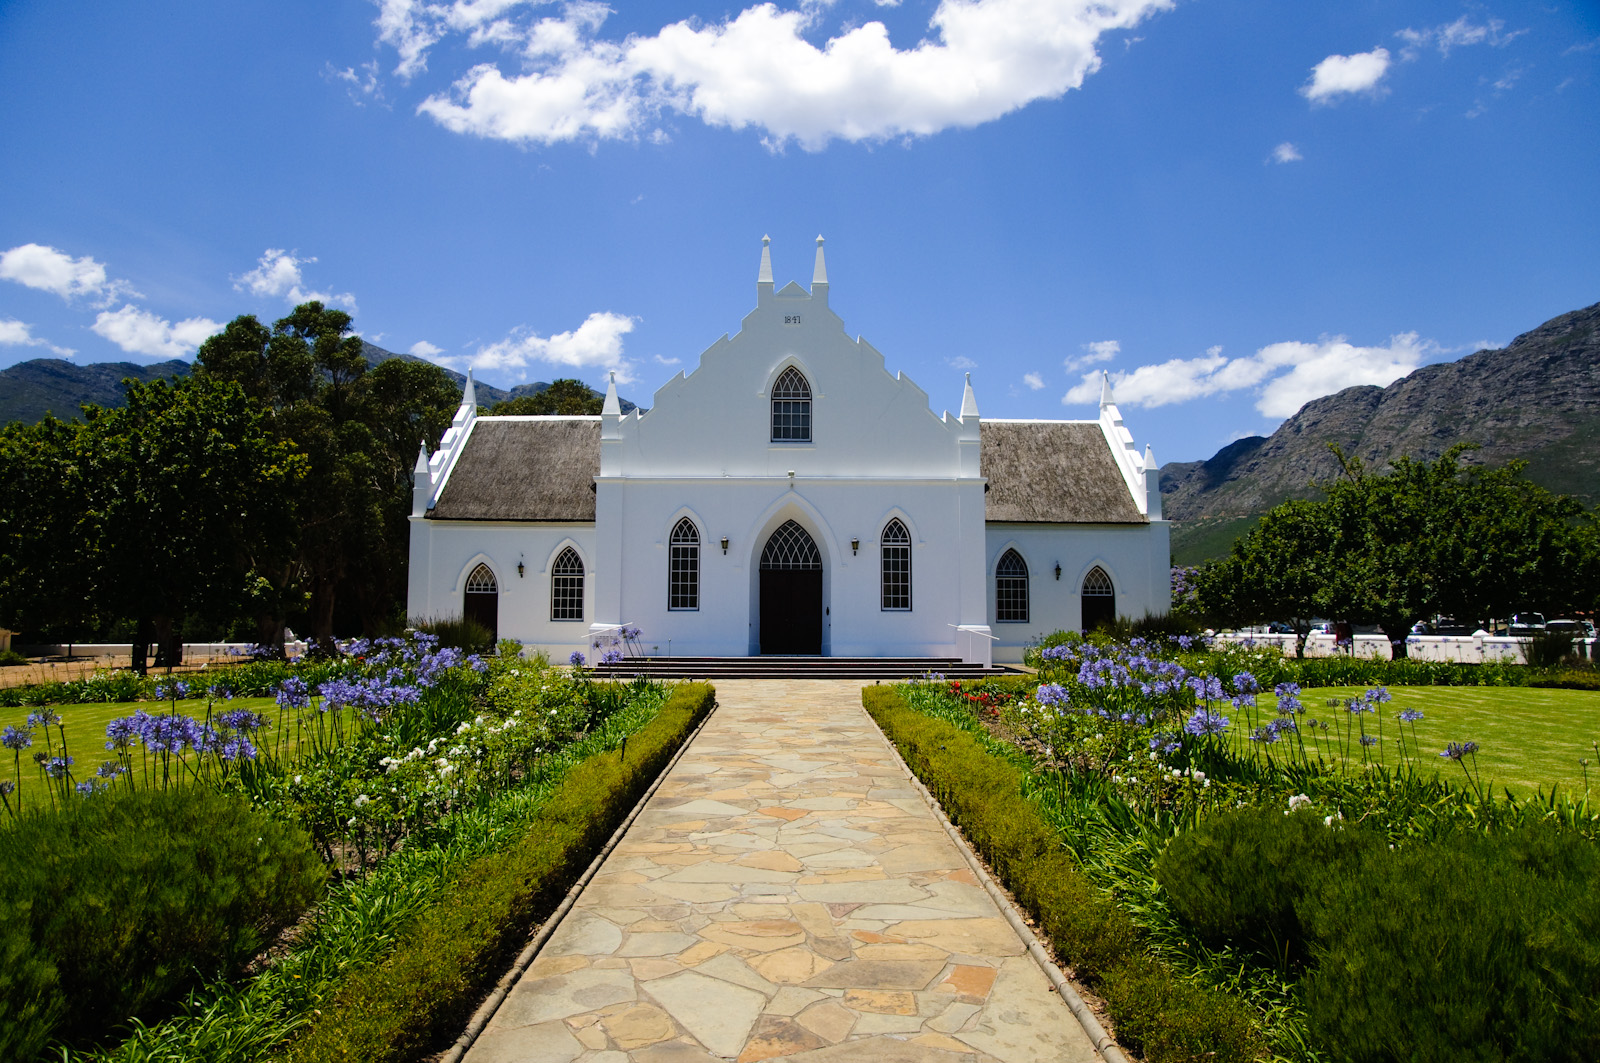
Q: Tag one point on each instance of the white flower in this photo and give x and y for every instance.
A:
(297, 779)
(351, 822)
(464, 728)
(362, 801)
(1298, 801)
(1328, 821)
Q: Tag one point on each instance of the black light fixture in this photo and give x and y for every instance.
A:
(855, 544)
(519, 568)
(724, 544)
(1058, 570)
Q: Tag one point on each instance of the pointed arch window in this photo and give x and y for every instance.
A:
(791, 549)
(791, 408)
(683, 566)
(895, 548)
(1099, 599)
(1011, 589)
(566, 586)
(480, 601)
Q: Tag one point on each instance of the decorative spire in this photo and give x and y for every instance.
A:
(1149, 457)
(969, 401)
(819, 275)
(422, 459)
(1106, 398)
(612, 408)
(765, 276)
(469, 394)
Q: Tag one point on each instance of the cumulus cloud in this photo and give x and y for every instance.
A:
(52, 270)
(1284, 376)
(278, 273)
(979, 60)
(424, 349)
(597, 343)
(1286, 152)
(141, 332)
(1096, 352)
(14, 333)
(1343, 75)
(961, 361)
(1034, 381)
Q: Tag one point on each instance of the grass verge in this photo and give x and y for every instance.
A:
(1153, 1009)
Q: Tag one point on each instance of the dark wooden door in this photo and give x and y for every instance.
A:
(791, 611)
(1098, 609)
(485, 609)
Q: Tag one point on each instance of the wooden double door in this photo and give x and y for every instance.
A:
(791, 593)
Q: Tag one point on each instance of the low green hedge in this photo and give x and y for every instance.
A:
(1154, 1011)
(122, 901)
(423, 994)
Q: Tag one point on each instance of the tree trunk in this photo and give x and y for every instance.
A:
(141, 646)
(269, 634)
(1396, 634)
(322, 617)
(169, 643)
(1300, 643)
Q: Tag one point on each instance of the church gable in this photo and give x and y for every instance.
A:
(524, 469)
(1053, 472)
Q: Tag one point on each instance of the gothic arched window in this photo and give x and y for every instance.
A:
(791, 408)
(1011, 589)
(895, 547)
(481, 600)
(1099, 599)
(566, 586)
(683, 567)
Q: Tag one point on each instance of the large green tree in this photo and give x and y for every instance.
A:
(1278, 571)
(563, 396)
(48, 549)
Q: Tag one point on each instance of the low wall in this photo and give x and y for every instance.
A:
(1463, 649)
(124, 649)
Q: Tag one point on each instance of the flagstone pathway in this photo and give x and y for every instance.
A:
(785, 894)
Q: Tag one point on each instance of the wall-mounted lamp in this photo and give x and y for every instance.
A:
(791, 474)
(855, 544)
(724, 544)
(1058, 570)
(519, 568)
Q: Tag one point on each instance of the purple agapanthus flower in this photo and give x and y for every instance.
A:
(16, 738)
(1457, 750)
(244, 720)
(611, 656)
(1052, 694)
(576, 660)
(1206, 722)
(43, 718)
(1410, 715)
(56, 767)
(293, 694)
(1369, 740)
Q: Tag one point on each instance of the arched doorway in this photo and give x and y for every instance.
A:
(481, 601)
(791, 592)
(1099, 599)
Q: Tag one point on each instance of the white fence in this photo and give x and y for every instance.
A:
(1463, 649)
(92, 650)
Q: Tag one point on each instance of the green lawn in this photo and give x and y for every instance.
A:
(1527, 737)
(85, 727)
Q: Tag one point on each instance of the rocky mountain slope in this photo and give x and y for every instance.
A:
(29, 390)
(1538, 399)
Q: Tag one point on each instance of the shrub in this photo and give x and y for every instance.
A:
(1166, 625)
(1151, 1007)
(1243, 877)
(424, 992)
(1547, 649)
(458, 632)
(11, 657)
(117, 904)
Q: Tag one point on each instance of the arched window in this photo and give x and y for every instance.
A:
(1011, 589)
(895, 547)
(791, 408)
(683, 567)
(566, 586)
(1099, 599)
(481, 601)
(791, 549)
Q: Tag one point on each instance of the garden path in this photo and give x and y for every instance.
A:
(786, 894)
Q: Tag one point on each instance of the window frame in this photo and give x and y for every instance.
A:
(566, 586)
(1010, 580)
(683, 556)
(796, 408)
(894, 548)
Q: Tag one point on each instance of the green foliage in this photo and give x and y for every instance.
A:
(563, 396)
(463, 633)
(1547, 649)
(981, 790)
(1165, 626)
(11, 658)
(406, 1006)
(119, 903)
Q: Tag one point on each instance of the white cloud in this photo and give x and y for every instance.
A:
(1340, 75)
(1099, 351)
(595, 343)
(362, 86)
(14, 333)
(141, 332)
(424, 349)
(979, 60)
(1034, 381)
(1284, 376)
(51, 270)
(668, 361)
(278, 273)
(961, 361)
(1461, 33)
(1286, 152)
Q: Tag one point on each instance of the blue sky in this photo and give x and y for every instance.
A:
(1232, 206)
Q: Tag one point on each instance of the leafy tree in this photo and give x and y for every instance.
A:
(1279, 571)
(564, 396)
(48, 550)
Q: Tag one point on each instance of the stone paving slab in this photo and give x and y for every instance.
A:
(785, 895)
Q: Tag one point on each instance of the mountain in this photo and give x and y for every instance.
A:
(1536, 399)
(29, 390)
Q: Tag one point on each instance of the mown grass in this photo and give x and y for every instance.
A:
(1528, 737)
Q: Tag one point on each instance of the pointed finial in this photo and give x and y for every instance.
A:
(765, 276)
(819, 275)
(969, 401)
(1106, 398)
(1149, 456)
(612, 407)
(469, 394)
(422, 459)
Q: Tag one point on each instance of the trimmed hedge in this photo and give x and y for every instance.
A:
(424, 993)
(1153, 1009)
(120, 902)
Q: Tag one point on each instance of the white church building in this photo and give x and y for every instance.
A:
(788, 496)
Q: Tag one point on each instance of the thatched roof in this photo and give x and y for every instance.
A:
(524, 468)
(1052, 472)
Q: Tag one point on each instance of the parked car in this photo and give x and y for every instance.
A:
(1578, 629)
(1279, 627)
(1525, 624)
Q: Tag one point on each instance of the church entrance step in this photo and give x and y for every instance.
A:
(798, 667)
